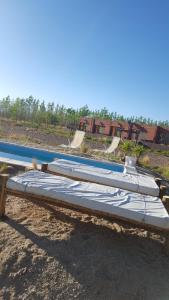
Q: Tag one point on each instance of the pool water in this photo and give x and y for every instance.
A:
(26, 154)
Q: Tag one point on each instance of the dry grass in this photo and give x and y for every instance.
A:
(145, 160)
(84, 149)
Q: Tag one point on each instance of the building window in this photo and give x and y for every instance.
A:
(117, 132)
(99, 129)
(83, 126)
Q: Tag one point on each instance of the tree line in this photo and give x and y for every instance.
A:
(33, 110)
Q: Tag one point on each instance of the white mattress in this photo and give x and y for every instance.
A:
(115, 201)
(133, 182)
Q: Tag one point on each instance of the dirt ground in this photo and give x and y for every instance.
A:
(55, 253)
(9, 130)
(158, 160)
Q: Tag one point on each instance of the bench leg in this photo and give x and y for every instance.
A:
(166, 244)
(44, 167)
(3, 181)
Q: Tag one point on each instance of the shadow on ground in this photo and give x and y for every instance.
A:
(65, 258)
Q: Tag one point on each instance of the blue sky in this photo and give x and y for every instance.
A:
(112, 53)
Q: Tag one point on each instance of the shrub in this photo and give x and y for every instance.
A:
(105, 140)
(3, 167)
(84, 148)
(162, 152)
(165, 172)
(130, 148)
(145, 161)
(137, 150)
(127, 147)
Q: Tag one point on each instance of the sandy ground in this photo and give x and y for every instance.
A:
(55, 253)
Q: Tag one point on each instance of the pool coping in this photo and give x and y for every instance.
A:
(18, 163)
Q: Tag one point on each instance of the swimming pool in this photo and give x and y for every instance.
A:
(26, 154)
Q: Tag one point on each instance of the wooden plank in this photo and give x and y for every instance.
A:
(162, 191)
(166, 244)
(166, 198)
(3, 194)
(158, 181)
(44, 167)
(165, 201)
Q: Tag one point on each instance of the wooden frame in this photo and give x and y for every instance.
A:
(4, 191)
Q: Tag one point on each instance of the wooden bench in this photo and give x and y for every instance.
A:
(4, 191)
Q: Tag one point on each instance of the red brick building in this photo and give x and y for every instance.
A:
(126, 130)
